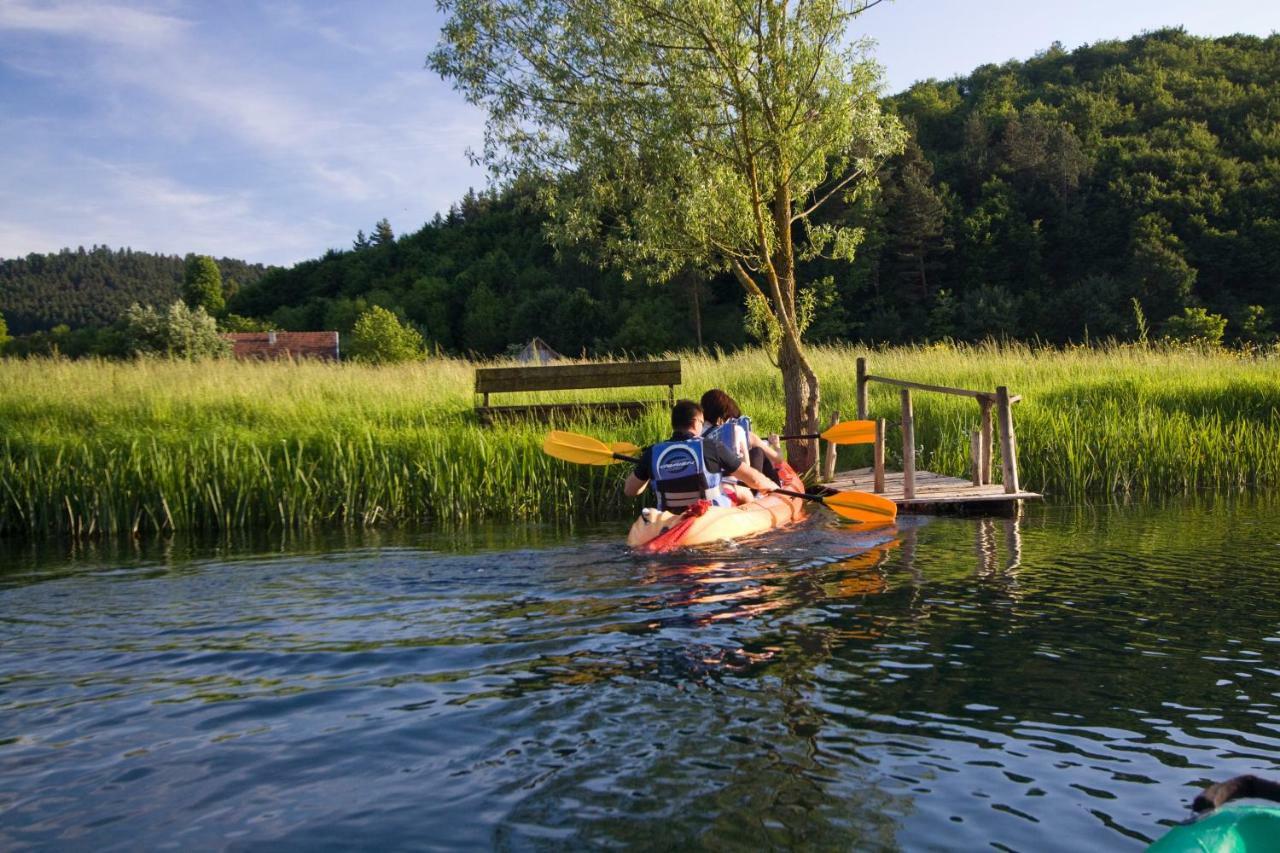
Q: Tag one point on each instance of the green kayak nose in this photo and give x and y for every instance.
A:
(1239, 827)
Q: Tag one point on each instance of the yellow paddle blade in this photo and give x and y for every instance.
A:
(626, 448)
(582, 449)
(862, 506)
(852, 432)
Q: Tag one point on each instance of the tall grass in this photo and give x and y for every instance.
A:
(98, 446)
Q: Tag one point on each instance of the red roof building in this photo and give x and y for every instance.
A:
(322, 345)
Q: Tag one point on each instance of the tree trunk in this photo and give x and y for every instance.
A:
(697, 309)
(799, 382)
(800, 400)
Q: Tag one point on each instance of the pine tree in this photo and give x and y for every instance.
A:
(202, 285)
(382, 234)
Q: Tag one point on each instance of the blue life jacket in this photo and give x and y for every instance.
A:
(681, 478)
(725, 433)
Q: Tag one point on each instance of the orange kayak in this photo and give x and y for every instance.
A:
(717, 523)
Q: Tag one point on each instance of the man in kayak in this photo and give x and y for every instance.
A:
(688, 468)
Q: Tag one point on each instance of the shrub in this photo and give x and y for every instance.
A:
(239, 323)
(1196, 326)
(380, 338)
(180, 332)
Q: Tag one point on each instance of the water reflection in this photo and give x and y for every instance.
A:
(951, 682)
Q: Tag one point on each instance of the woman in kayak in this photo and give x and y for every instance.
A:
(725, 421)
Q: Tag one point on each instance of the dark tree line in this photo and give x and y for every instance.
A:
(82, 287)
(1040, 199)
(484, 278)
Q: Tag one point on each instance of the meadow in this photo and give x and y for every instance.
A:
(92, 447)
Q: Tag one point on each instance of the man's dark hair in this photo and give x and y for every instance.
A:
(717, 405)
(683, 413)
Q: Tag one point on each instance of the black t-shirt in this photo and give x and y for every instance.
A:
(719, 458)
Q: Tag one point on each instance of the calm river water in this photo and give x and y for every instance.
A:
(1064, 681)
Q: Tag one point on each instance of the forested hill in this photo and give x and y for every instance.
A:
(1040, 198)
(1036, 199)
(93, 287)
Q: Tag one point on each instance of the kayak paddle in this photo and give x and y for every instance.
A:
(845, 432)
(585, 450)
(855, 506)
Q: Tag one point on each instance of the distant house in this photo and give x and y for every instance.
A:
(537, 351)
(322, 345)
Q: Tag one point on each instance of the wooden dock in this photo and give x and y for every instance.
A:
(933, 490)
(921, 490)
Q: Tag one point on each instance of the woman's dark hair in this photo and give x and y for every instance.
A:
(717, 405)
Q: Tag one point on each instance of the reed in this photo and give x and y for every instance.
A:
(92, 447)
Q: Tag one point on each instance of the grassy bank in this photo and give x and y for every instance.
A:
(140, 446)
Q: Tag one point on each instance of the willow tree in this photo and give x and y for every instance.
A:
(685, 133)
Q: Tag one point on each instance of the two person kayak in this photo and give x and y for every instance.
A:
(702, 524)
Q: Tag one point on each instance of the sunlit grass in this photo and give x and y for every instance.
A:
(101, 446)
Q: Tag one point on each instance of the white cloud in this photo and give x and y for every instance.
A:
(263, 148)
(115, 24)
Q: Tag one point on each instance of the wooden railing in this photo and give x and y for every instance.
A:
(981, 440)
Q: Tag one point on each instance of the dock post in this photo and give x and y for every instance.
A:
(987, 441)
(1008, 443)
(829, 462)
(975, 451)
(908, 447)
(862, 389)
(878, 463)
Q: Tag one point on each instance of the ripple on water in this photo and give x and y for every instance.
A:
(1059, 682)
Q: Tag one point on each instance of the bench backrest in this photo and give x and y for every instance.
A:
(558, 377)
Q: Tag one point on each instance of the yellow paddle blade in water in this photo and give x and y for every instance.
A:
(862, 506)
(851, 432)
(582, 449)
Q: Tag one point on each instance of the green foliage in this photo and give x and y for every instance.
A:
(180, 333)
(1079, 181)
(1140, 322)
(202, 285)
(1164, 278)
(761, 324)
(379, 337)
(155, 444)
(694, 135)
(485, 319)
(93, 287)
(5, 337)
(237, 323)
(382, 233)
(1255, 326)
(1196, 326)
(681, 168)
(1056, 190)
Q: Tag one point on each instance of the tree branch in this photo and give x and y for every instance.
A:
(817, 204)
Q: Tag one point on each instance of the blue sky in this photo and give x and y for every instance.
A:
(272, 131)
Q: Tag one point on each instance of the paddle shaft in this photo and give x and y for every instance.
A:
(800, 495)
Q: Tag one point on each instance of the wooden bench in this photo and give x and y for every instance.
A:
(562, 377)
